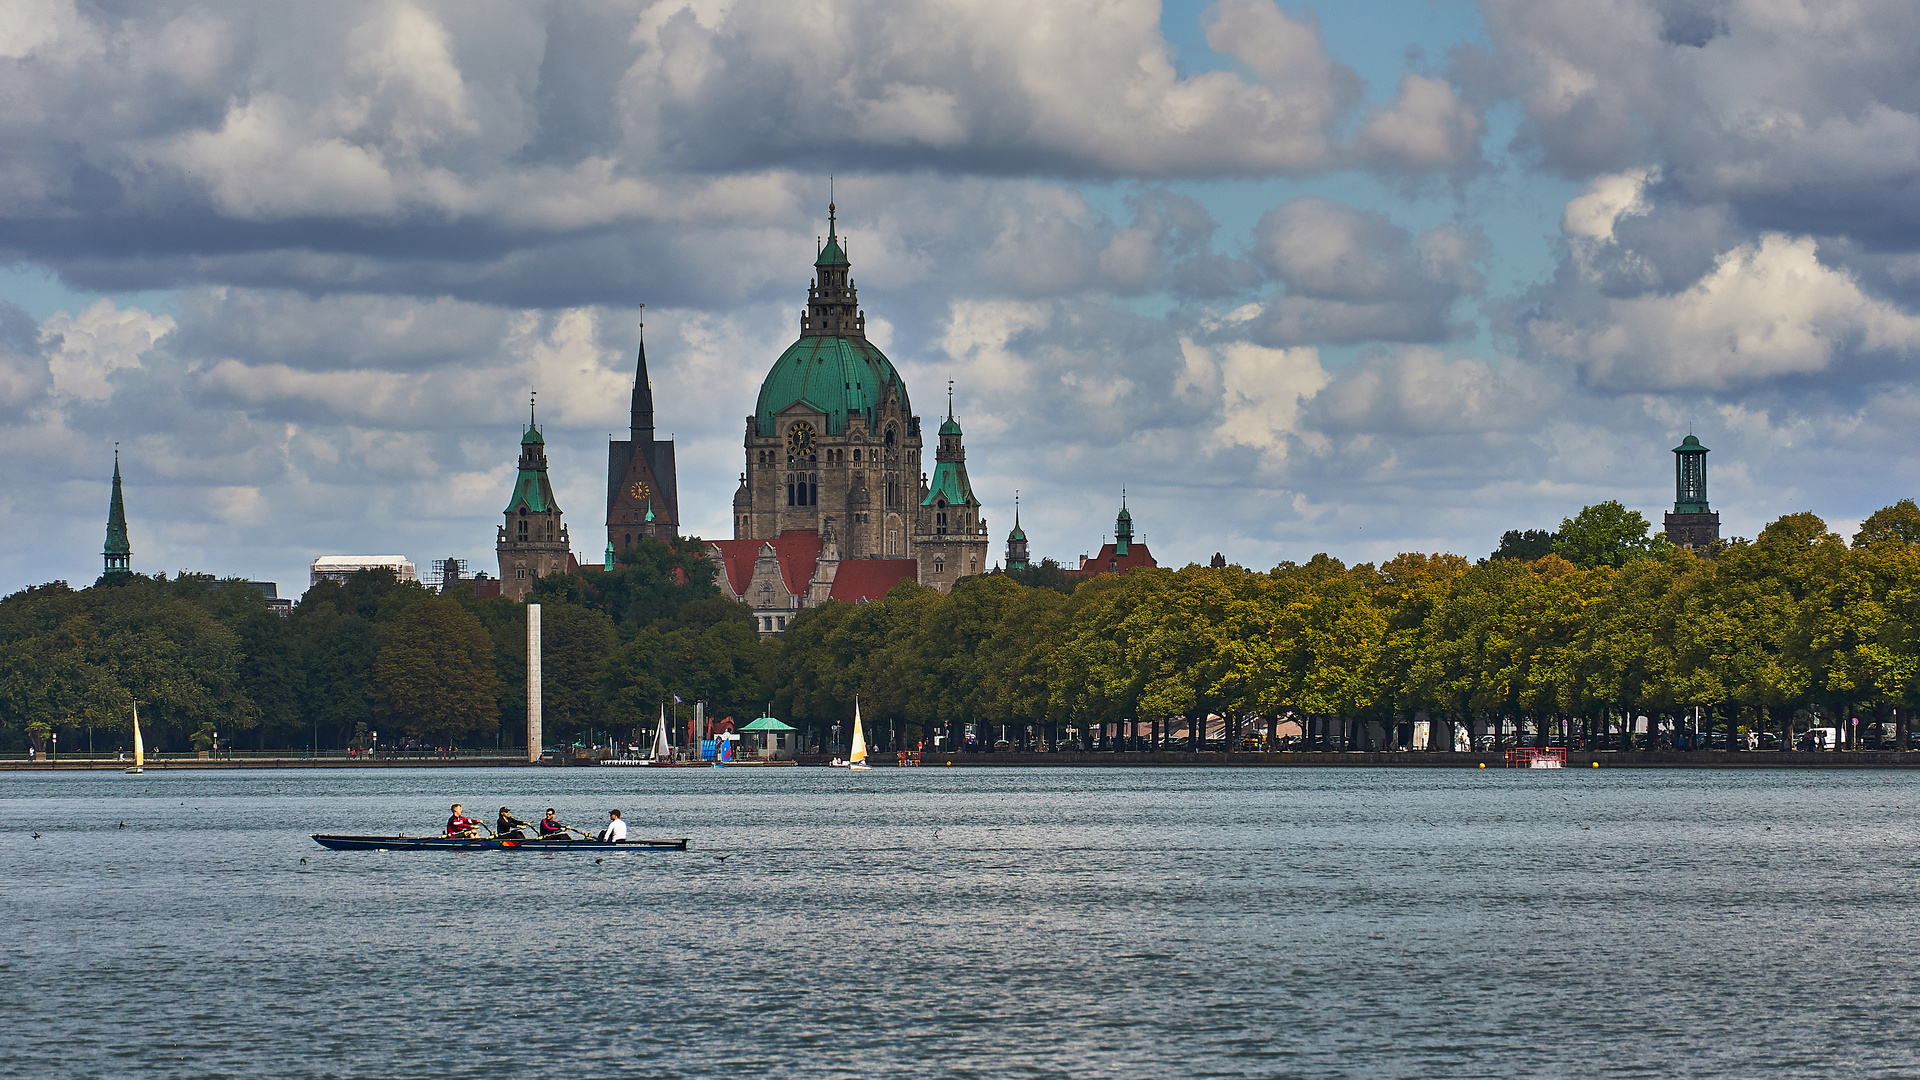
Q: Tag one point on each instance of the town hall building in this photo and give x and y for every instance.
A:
(832, 503)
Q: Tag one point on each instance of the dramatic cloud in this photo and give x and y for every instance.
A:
(306, 263)
(1352, 275)
(1804, 117)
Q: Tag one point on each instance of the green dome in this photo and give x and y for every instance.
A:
(531, 437)
(1017, 534)
(835, 375)
(951, 427)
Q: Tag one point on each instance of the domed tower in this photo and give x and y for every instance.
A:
(832, 444)
(533, 540)
(950, 535)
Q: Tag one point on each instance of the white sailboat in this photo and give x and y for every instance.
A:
(858, 758)
(139, 748)
(661, 751)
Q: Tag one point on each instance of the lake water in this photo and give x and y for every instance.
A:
(969, 923)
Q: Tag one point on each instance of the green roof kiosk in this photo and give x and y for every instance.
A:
(777, 742)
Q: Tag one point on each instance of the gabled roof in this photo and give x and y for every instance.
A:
(871, 579)
(1109, 561)
(797, 553)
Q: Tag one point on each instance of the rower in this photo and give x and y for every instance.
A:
(509, 827)
(460, 826)
(616, 830)
(550, 826)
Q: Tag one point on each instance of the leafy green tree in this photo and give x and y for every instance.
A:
(1896, 524)
(433, 674)
(1606, 534)
(1526, 545)
(575, 643)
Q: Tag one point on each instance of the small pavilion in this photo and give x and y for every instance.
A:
(777, 739)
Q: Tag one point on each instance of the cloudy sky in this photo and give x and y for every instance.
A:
(1361, 277)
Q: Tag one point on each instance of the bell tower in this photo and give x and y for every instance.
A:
(1691, 523)
(643, 496)
(533, 541)
(1016, 540)
(949, 533)
(118, 553)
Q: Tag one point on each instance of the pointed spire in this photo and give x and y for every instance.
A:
(532, 397)
(949, 399)
(640, 425)
(118, 553)
(1016, 509)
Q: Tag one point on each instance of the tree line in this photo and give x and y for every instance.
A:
(1573, 630)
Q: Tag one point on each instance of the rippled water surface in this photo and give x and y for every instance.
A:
(969, 922)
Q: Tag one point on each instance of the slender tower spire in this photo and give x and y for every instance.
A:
(118, 553)
(642, 424)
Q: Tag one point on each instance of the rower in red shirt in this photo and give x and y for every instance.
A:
(460, 826)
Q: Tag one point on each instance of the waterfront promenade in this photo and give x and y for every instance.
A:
(1699, 759)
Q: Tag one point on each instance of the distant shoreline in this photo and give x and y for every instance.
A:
(1701, 759)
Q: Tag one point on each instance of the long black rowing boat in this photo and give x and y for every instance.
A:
(447, 843)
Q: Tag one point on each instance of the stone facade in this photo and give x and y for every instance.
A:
(833, 450)
(533, 540)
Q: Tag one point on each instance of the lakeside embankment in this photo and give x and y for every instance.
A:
(1699, 759)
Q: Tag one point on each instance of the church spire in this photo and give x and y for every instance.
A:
(118, 553)
(641, 430)
(1123, 527)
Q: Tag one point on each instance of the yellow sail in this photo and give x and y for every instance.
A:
(859, 737)
(139, 748)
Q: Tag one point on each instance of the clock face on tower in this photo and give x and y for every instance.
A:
(800, 440)
(639, 490)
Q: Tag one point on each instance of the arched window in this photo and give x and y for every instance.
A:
(856, 455)
(890, 431)
(939, 565)
(789, 490)
(813, 489)
(523, 530)
(629, 542)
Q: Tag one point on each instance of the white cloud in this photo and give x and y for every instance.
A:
(1768, 309)
(99, 341)
(1257, 391)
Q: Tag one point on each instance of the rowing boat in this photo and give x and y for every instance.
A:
(487, 843)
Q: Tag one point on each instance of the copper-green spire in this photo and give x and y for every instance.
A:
(118, 553)
(1123, 527)
(833, 254)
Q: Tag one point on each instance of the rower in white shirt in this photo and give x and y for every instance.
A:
(616, 830)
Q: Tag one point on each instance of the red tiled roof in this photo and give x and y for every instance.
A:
(737, 556)
(871, 579)
(1107, 562)
(797, 552)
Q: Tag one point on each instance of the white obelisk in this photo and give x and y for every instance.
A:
(533, 684)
